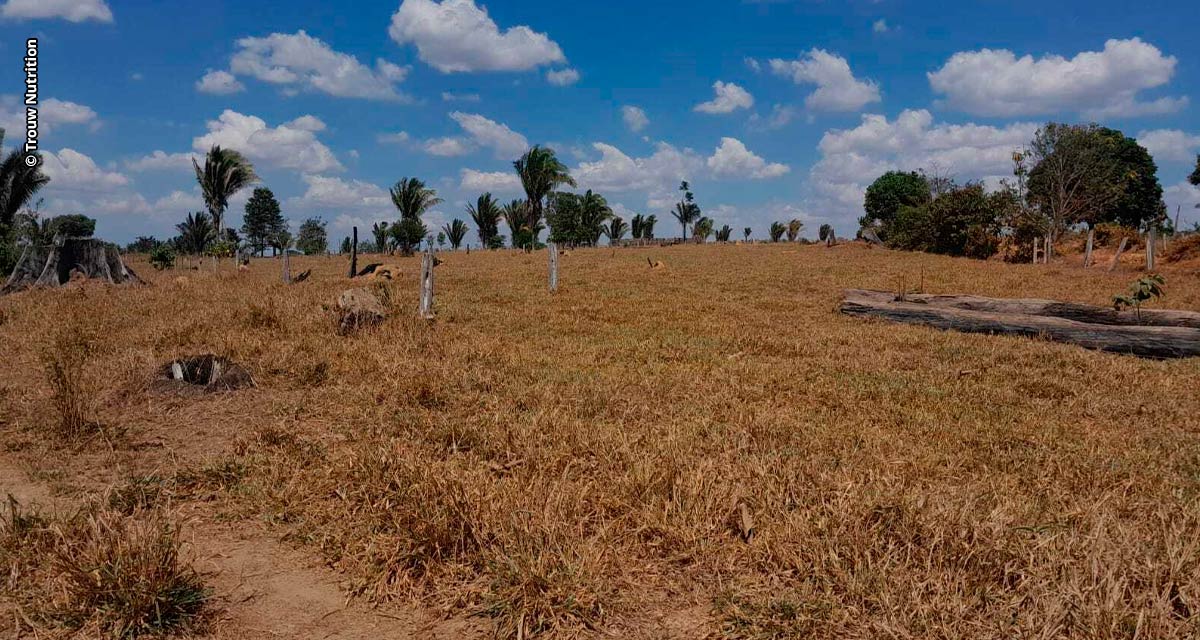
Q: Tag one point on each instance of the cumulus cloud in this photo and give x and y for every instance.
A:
(52, 113)
(562, 77)
(448, 96)
(291, 145)
(325, 192)
(457, 35)
(494, 181)
(729, 98)
(995, 82)
(880, 26)
(399, 137)
(852, 158)
(780, 116)
(70, 170)
(162, 161)
(69, 10)
(446, 147)
(732, 159)
(219, 83)
(634, 118)
(1170, 145)
(491, 134)
(837, 88)
(298, 61)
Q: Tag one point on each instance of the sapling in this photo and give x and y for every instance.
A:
(1146, 288)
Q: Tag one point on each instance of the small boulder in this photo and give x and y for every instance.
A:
(358, 308)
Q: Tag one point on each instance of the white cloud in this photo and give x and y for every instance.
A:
(781, 115)
(634, 118)
(448, 96)
(400, 137)
(323, 192)
(562, 77)
(457, 35)
(733, 160)
(446, 147)
(1170, 145)
(162, 161)
(52, 113)
(729, 98)
(491, 134)
(994, 82)
(837, 88)
(292, 145)
(880, 26)
(1182, 199)
(70, 170)
(494, 181)
(301, 62)
(219, 83)
(656, 176)
(752, 64)
(69, 10)
(852, 158)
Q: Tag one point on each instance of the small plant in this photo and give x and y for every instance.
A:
(65, 361)
(1141, 290)
(162, 257)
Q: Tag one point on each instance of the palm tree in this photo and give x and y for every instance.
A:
(541, 173)
(635, 226)
(723, 233)
(486, 214)
(686, 213)
(225, 172)
(746, 234)
(413, 199)
(18, 183)
(615, 230)
(648, 226)
(196, 232)
(455, 231)
(593, 212)
(777, 231)
(514, 216)
(703, 228)
(793, 229)
(380, 231)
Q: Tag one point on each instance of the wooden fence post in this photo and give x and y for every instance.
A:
(287, 267)
(425, 311)
(1117, 258)
(1048, 251)
(552, 248)
(1035, 250)
(1151, 239)
(354, 254)
(1087, 254)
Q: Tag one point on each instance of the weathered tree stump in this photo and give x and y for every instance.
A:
(53, 265)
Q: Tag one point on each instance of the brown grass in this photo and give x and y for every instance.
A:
(577, 463)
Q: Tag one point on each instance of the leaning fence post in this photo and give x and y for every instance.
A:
(1087, 254)
(552, 248)
(1120, 249)
(1150, 240)
(354, 254)
(425, 311)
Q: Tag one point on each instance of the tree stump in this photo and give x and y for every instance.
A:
(53, 265)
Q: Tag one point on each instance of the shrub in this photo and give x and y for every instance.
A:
(162, 257)
(1109, 234)
(65, 361)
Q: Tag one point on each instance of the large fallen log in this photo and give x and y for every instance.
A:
(1038, 307)
(1145, 341)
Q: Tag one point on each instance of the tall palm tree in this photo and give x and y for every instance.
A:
(746, 234)
(615, 229)
(541, 173)
(225, 172)
(648, 226)
(486, 213)
(686, 213)
(635, 225)
(412, 198)
(793, 229)
(723, 233)
(593, 212)
(380, 231)
(455, 231)
(703, 228)
(777, 230)
(18, 183)
(515, 217)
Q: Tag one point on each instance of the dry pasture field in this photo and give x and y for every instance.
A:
(703, 450)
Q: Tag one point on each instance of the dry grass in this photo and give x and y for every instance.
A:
(577, 462)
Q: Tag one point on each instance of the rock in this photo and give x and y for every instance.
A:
(358, 308)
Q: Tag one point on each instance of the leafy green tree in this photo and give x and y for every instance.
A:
(196, 232)
(615, 229)
(541, 174)
(312, 239)
(776, 231)
(347, 245)
(142, 244)
(456, 231)
(486, 214)
(964, 221)
(263, 218)
(793, 229)
(1140, 201)
(162, 257)
(72, 225)
(412, 198)
(225, 172)
(890, 192)
(281, 240)
(380, 231)
(703, 228)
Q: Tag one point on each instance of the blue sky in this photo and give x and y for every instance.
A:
(774, 109)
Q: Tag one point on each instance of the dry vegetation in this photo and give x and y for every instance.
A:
(701, 449)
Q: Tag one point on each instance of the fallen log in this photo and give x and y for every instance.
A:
(1145, 341)
(1038, 307)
